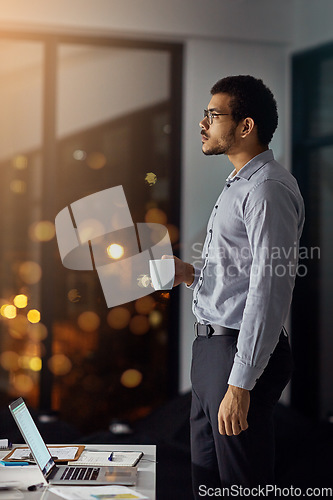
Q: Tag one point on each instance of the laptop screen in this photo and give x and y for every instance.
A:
(31, 435)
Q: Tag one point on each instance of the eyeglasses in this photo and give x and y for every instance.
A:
(208, 114)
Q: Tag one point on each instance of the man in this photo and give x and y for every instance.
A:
(242, 293)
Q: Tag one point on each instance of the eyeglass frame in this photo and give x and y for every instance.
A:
(211, 115)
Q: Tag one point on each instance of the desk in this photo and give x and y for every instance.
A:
(32, 475)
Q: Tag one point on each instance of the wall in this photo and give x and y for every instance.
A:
(220, 37)
(313, 23)
(265, 20)
(204, 177)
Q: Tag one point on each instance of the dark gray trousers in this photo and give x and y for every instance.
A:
(247, 459)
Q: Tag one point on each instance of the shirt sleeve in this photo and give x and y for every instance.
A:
(272, 217)
(196, 279)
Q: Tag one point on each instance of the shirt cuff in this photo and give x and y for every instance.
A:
(244, 376)
(196, 279)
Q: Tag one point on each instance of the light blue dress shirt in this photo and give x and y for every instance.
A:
(249, 262)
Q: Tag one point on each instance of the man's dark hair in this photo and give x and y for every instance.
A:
(250, 98)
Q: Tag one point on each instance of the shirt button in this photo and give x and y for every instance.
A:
(210, 230)
(206, 254)
(216, 206)
(201, 278)
(195, 302)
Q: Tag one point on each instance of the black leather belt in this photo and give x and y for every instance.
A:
(210, 330)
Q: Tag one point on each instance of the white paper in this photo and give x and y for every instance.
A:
(111, 492)
(119, 458)
(26, 476)
(66, 453)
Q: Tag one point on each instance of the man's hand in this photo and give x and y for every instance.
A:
(184, 272)
(232, 415)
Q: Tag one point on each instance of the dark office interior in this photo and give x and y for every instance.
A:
(90, 374)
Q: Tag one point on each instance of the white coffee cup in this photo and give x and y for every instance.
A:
(162, 273)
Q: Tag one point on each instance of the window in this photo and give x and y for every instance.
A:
(312, 390)
(81, 115)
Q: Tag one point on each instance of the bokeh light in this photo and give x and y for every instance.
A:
(155, 318)
(143, 280)
(89, 228)
(74, 295)
(24, 362)
(32, 349)
(115, 251)
(139, 324)
(18, 186)
(36, 332)
(88, 321)
(35, 364)
(42, 231)
(3, 307)
(145, 305)
(151, 178)
(79, 155)
(20, 162)
(131, 378)
(33, 316)
(156, 215)
(20, 301)
(8, 311)
(59, 364)
(167, 128)
(118, 318)
(30, 272)
(96, 160)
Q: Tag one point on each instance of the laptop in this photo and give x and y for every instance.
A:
(65, 474)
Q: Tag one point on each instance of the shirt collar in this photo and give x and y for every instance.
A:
(254, 164)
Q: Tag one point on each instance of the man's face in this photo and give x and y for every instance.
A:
(219, 137)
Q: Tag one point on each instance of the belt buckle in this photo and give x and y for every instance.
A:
(210, 331)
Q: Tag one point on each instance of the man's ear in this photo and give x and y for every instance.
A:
(247, 127)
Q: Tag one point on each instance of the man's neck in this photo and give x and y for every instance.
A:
(243, 157)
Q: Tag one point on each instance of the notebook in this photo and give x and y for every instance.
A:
(119, 458)
(65, 474)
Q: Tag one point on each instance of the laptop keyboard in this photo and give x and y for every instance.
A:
(79, 473)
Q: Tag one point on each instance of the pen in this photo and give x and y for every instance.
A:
(35, 487)
(110, 457)
(7, 464)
